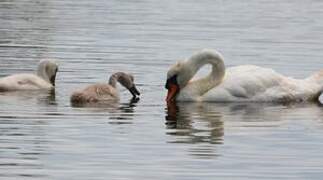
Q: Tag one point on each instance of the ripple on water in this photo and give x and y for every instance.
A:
(42, 136)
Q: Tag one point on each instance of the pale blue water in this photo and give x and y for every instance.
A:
(43, 137)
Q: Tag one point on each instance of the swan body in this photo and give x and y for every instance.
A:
(105, 92)
(238, 84)
(44, 79)
(95, 93)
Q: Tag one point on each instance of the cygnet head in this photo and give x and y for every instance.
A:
(47, 69)
(126, 80)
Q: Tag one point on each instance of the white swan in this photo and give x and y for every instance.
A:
(44, 79)
(237, 84)
(105, 92)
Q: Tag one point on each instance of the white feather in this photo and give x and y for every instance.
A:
(46, 70)
(241, 83)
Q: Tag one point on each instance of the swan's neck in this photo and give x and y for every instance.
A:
(41, 72)
(113, 81)
(202, 85)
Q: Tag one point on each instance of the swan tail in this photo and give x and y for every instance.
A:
(317, 77)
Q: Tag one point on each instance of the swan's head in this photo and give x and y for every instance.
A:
(126, 80)
(176, 80)
(180, 74)
(47, 69)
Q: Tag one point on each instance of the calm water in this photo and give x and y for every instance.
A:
(43, 137)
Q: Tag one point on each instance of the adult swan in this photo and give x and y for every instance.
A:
(237, 84)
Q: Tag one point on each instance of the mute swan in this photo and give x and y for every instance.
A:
(237, 84)
(45, 78)
(101, 92)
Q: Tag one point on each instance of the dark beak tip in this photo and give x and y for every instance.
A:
(134, 91)
(167, 85)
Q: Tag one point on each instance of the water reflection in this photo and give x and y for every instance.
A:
(196, 124)
(43, 135)
(23, 143)
(196, 121)
(201, 125)
(267, 114)
(49, 98)
(118, 112)
(124, 113)
(41, 97)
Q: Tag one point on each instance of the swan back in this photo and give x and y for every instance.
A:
(23, 82)
(95, 93)
(257, 84)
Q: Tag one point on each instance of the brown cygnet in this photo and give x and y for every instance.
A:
(105, 92)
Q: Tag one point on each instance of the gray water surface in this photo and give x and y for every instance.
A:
(43, 137)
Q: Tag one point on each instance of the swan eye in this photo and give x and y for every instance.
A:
(171, 80)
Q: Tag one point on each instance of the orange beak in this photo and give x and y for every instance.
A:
(173, 89)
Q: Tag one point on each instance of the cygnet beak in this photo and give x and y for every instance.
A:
(134, 91)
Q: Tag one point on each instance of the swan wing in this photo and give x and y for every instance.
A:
(23, 82)
(95, 93)
(104, 91)
(253, 83)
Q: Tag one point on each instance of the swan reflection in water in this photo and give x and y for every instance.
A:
(124, 112)
(202, 124)
(24, 131)
(40, 97)
(196, 124)
(119, 112)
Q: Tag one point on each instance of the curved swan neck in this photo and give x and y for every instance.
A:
(117, 77)
(214, 78)
(113, 80)
(208, 57)
(41, 71)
